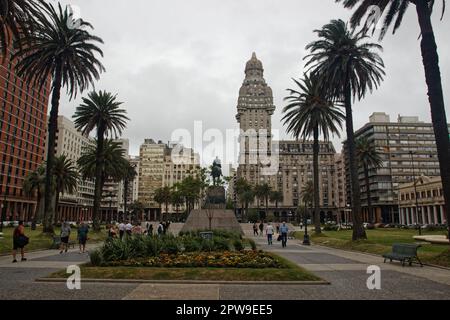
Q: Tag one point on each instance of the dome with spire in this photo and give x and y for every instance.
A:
(254, 64)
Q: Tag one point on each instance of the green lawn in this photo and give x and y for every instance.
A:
(292, 272)
(379, 241)
(39, 240)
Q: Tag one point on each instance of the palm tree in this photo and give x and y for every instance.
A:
(66, 177)
(369, 158)
(247, 197)
(114, 164)
(67, 55)
(176, 200)
(244, 192)
(348, 67)
(101, 111)
(163, 196)
(307, 196)
(34, 184)
(311, 112)
(263, 192)
(129, 174)
(276, 197)
(395, 11)
(17, 18)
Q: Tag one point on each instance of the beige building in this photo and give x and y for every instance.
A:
(340, 197)
(151, 173)
(70, 142)
(425, 207)
(294, 168)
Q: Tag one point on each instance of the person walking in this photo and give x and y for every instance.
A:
(83, 231)
(261, 228)
(160, 229)
(278, 228)
(128, 228)
(149, 229)
(284, 233)
(20, 240)
(121, 230)
(269, 233)
(65, 235)
(255, 229)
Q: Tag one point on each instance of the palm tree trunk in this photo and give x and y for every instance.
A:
(372, 218)
(52, 127)
(358, 229)
(55, 217)
(436, 98)
(98, 177)
(316, 149)
(125, 196)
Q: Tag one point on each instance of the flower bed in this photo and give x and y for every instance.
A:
(227, 259)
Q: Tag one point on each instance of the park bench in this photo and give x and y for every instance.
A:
(57, 243)
(403, 252)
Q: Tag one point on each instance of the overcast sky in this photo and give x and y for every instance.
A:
(173, 62)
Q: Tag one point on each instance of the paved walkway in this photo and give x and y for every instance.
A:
(345, 270)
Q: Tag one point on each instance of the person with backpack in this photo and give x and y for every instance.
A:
(160, 229)
(20, 240)
(261, 228)
(284, 234)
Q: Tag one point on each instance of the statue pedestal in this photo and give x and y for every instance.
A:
(213, 216)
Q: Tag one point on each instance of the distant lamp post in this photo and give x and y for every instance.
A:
(84, 212)
(418, 209)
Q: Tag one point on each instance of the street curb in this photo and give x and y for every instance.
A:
(137, 281)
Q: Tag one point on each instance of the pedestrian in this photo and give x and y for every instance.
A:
(160, 229)
(65, 235)
(269, 233)
(255, 229)
(20, 240)
(121, 229)
(278, 228)
(128, 228)
(150, 229)
(112, 232)
(284, 233)
(83, 231)
(137, 229)
(261, 228)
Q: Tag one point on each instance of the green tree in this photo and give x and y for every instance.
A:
(310, 112)
(100, 111)
(245, 193)
(276, 197)
(349, 67)
(137, 208)
(129, 174)
(66, 54)
(17, 18)
(369, 159)
(65, 174)
(263, 192)
(394, 12)
(163, 196)
(34, 185)
(177, 200)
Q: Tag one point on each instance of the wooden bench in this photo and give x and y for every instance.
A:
(403, 252)
(57, 243)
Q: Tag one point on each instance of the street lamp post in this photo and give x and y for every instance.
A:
(306, 241)
(6, 192)
(418, 210)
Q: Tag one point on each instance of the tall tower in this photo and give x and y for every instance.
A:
(255, 109)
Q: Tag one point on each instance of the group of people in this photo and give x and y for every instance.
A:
(20, 240)
(128, 228)
(282, 231)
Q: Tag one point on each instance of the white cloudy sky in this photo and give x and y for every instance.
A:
(177, 61)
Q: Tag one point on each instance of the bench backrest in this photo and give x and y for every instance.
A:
(405, 248)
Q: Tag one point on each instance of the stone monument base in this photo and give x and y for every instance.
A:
(221, 219)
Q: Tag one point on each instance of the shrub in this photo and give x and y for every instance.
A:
(170, 245)
(252, 244)
(191, 244)
(116, 250)
(96, 258)
(238, 246)
(221, 244)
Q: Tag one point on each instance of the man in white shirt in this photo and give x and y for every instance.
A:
(128, 228)
(269, 233)
(121, 230)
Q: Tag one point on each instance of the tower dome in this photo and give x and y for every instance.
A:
(254, 64)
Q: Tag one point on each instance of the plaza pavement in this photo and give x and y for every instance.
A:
(346, 271)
